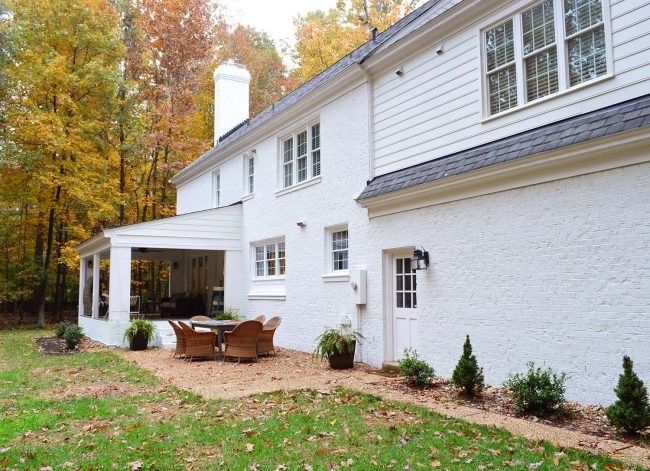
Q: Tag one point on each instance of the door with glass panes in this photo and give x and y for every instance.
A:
(405, 318)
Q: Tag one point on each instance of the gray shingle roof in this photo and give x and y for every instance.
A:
(359, 55)
(621, 117)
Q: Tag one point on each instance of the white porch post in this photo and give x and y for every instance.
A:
(119, 305)
(96, 293)
(82, 284)
(232, 275)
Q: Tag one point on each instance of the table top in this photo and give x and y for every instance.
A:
(214, 323)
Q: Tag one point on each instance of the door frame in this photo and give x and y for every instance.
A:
(387, 295)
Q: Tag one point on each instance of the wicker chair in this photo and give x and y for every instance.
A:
(261, 318)
(265, 340)
(241, 342)
(181, 343)
(199, 344)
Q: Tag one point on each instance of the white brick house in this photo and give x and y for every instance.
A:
(508, 140)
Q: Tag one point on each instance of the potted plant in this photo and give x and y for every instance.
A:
(139, 333)
(338, 347)
(230, 314)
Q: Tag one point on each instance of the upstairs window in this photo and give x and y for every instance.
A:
(216, 188)
(301, 156)
(270, 260)
(548, 48)
(250, 173)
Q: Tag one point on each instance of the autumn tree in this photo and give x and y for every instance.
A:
(60, 85)
(323, 37)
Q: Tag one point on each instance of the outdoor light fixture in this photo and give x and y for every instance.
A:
(175, 265)
(420, 259)
(90, 263)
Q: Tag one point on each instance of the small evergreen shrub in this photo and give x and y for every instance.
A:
(467, 374)
(631, 412)
(417, 372)
(73, 335)
(60, 329)
(537, 391)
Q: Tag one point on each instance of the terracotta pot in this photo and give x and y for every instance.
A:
(342, 361)
(139, 342)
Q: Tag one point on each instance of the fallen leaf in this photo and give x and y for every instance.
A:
(436, 464)
(250, 447)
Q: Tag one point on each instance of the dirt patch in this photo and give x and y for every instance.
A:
(99, 390)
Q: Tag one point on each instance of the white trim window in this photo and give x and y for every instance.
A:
(301, 156)
(548, 48)
(216, 188)
(338, 249)
(250, 173)
(270, 260)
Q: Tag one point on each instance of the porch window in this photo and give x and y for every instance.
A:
(270, 260)
(301, 156)
(546, 49)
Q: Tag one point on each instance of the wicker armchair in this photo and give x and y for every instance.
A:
(241, 342)
(265, 339)
(261, 318)
(199, 344)
(181, 344)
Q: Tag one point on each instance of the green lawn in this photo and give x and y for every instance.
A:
(94, 411)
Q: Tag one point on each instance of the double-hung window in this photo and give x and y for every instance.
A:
(339, 250)
(270, 260)
(249, 168)
(301, 156)
(216, 188)
(545, 49)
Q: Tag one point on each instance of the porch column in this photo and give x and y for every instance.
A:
(96, 293)
(232, 279)
(119, 292)
(82, 283)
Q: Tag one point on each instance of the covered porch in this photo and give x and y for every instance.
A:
(198, 255)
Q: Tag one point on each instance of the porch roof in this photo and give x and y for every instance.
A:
(211, 229)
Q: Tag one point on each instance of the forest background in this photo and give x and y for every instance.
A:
(103, 101)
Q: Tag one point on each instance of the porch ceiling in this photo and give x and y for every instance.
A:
(212, 229)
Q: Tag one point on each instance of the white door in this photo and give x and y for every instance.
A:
(405, 302)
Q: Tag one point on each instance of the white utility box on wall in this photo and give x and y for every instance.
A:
(358, 285)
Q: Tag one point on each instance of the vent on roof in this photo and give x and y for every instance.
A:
(229, 132)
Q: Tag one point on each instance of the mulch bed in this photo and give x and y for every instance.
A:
(57, 346)
(586, 418)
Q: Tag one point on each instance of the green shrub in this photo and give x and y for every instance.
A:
(230, 314)
(334, 341)
(73, 335)
(537, 391)
(417, 372)
(60, 329)
(142, 326)
(467, 374)
(631, 412)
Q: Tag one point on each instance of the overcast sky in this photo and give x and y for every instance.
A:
(273, 16)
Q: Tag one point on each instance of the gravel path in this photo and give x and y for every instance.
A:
(295, 370)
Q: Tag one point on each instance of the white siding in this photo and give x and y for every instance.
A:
(434, 109)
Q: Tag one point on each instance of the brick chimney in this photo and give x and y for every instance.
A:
(231, 97)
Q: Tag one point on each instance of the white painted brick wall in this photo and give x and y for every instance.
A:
(558, 273)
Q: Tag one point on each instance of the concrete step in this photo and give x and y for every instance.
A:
(390, 366)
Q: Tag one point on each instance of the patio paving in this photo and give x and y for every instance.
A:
(295, 370)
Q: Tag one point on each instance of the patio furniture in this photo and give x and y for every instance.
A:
(199, 318)
(199, 344)
(180, 341)
(241, 342)
(261, 318)
(216, 326)
(265, 339)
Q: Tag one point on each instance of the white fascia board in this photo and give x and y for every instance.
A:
(97, 243)
(180, 243)
(347, 80)
(598, 155)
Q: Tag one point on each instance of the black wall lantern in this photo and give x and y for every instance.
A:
(420, 259)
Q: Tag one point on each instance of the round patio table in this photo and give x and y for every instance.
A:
(219, 326)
